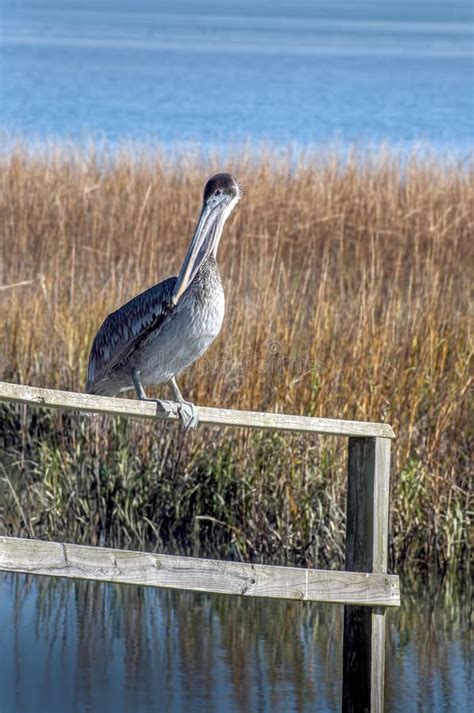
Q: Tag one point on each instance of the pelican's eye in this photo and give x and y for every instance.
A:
(218, 192)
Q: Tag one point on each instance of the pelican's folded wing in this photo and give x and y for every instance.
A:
(126, 328)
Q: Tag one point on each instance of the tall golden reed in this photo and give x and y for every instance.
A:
(348, 296)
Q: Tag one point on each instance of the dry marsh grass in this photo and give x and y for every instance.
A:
(348, 295)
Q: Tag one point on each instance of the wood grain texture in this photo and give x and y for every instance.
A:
(368, 490)
(381, 506)
(69, 400)
(366, 551)
(363, 661)
(192, 573)
(377, 668)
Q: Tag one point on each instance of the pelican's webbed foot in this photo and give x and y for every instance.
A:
(185, 410)
(169, 408)
(188, 414)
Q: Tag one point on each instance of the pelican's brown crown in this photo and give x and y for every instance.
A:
(223, 182)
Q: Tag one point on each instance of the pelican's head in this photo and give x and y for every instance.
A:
(221, 195)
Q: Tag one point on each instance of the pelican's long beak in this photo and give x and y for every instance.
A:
(205, 241)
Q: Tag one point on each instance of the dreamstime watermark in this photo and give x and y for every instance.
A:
(268, 361)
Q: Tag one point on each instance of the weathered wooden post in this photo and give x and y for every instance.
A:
(366, 551)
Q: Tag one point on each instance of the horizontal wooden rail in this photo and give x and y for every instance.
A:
(211, 416)
(191, 573)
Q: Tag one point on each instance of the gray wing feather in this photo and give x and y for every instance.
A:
(125, 328)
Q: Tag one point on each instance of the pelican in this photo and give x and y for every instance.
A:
(162, 331)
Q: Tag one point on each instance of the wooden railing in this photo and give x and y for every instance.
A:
(364, 587)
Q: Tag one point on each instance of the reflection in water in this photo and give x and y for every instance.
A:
(429, 658)
(84, 646)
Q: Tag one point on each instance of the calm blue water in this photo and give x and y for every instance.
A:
(88, 647)
(219, 72)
